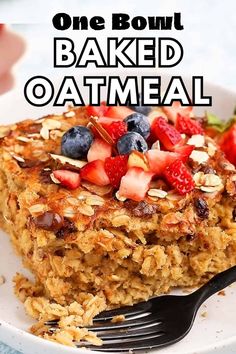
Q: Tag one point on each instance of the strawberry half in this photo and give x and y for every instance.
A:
(120, 112)
(99, 150)
(116, 168)
(97, 111)
(228, 144)
(186, 125)
(94, 172)
(135, 184)
(166, 133)
(176, 108)
(158, 160)
(67, 178)
(116, 130)
(179, 177)
(184, 152)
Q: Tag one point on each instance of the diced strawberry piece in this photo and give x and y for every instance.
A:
(135, 184)
(184, 152)
(116, 168)
(94, 172)
(186, 125)
(120, 112)
(179, 177)
(166, 133)
(99, 150)
(116, 130)
(97, 111)
(176, 108)
(159, 160)
(228, 144)
(67, 178)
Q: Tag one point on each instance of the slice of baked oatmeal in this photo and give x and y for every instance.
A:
(133, 208)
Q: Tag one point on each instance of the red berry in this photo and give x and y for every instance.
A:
(97, 111)
(94, 172)
(135, 184)
(171, 112)
(166, 133)
(186, 125)
(120, 112)
(67, 178)
(158, 160)
(228, 144)
(99, 150)
(116, 168)
(179, 177)
(184, 152)
(116, 130)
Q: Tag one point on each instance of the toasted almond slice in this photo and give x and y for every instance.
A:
(18, 158)
(51, 124)
(24, 139)
(197, 140)
(44, 132)
(137, 159)
(121, 199)
(69, 114)
(199, 156)
(66, 160)
(212, 189)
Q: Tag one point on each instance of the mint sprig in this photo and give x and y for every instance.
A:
(215, 122)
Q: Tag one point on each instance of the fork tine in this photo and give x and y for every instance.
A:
(130, 332)
(157, 340)
(125, 324)
(127, 310)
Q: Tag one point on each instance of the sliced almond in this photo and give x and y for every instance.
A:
(18, 158)
(119, 197)
(4, 131)
(51, 124)
(24, 139)
(69, 114)
(199, 156)
(137, 159)
(197, 140)
(67, 161)
(156, 145)
(212, 189)
(44, 132)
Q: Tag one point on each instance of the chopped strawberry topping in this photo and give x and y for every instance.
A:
(135, 184)
(228, 144)
(188, 126)
(166, 133)
(99, 150)
(176, 108)
(67, 178)
(179, 177)
(97, 111)
(184, 152)
(116, 168)
(159, 160)
(116, 130)
(94, 172)
(120, 112)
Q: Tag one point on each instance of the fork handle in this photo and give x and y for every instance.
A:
(217, 283)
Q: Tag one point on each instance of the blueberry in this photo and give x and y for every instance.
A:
(141, 109)
(137, 122)
(131, 141)
(76, 142)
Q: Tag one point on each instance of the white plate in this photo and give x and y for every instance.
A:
(213, 334)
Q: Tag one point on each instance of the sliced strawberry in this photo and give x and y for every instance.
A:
(166, 133)
(159, 160)
(186, 125)
(97, 111)
(184, 152)
(135, 184)
(179, 177)
(228, 144)
(176, 108)
(116, 130)
(116, 168)
(99, 150)
(67, 178)
(94, 172)
(120, 112)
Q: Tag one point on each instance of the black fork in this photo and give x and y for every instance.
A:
(159, 322)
